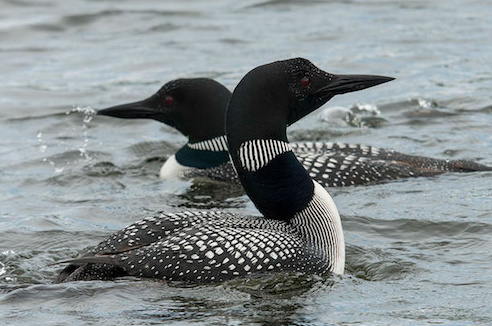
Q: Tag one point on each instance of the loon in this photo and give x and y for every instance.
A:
(196, 107)
(300, 230)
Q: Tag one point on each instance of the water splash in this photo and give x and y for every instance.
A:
(355, 116)
(42, 145)
(365, 109)
(82, 149)
(3, 270)
(88, 114)
(42, 148)
(425, 104)
(338, 116)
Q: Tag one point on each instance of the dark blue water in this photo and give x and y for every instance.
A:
(419, 251)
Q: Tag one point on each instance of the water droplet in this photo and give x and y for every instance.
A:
(87, 118)
(425, 104)
(87, 110)
(3, 270)
(365, 108)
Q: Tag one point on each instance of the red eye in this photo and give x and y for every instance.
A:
(305, 81)
(169, 101)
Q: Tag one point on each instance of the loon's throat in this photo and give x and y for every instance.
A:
(205, 154)
(272, 177)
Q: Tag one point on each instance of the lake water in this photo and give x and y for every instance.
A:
(419, 251)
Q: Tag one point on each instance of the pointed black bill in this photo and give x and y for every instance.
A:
(136, 110)
(341, 84)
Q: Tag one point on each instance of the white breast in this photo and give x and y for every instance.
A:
(336, 227)
(172, 170)
(320, 224)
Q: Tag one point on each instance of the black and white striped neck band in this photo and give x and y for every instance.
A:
(257, 153)
(217, 144)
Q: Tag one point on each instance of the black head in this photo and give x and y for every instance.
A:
(275, 95)
(196, 107)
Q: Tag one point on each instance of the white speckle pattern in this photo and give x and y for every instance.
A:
(339, 165)
(214, 246)
(200, 247)
(331, 164)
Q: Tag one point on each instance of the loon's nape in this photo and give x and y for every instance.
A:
(300, 229)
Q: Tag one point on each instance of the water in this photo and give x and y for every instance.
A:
(418, 251)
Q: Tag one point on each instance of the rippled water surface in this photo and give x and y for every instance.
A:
(419, 251)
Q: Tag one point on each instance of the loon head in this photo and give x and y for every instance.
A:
(275, 95)
(194, 106)
(264, 103)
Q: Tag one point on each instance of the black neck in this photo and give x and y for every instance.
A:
(282, 187)
(201, 159)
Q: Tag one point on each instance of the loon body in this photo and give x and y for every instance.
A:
(196, 107)
(300, 229)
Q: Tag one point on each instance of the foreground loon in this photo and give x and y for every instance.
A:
(196, 107)
(300, 229)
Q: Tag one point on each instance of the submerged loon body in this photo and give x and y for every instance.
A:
(196, 107)
(300, 229)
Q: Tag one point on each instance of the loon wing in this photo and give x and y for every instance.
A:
(338, 164)
(336, 170)
(337, 148)
(138, 234)
(210, 251)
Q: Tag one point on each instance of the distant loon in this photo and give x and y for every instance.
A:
(196, 107)
(300, 229)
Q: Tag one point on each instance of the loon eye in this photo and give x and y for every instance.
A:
(305, 81)
(169, 101)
